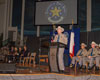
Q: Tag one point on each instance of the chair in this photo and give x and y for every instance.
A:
(76, 66)
(87, 64)
(25, 60)
(20, 59)
(32, 58)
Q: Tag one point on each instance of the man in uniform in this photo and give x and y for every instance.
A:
(60, 37)
(98, 57)
(79, 56)
(92, 54)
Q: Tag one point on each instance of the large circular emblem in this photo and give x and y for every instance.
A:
(56, 12)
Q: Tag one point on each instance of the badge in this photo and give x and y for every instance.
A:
(56, 12)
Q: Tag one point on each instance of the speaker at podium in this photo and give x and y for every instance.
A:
(55, 63)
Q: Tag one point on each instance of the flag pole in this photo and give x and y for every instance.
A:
(72, 24)
(71, 51)
(54, 27)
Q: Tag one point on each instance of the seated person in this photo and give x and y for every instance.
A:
(20, 51)
(4, 53)
(16, 55)
(98, 57)
(92, 53)
(25, 51)
(10, 56)
(11, 51)
(16, 51)
(79, 56)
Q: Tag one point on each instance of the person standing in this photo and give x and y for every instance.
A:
(60, 37)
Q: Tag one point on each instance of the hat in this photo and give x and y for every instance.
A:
(59, 27)
(99, 45)
(83, 44)
(93, 43)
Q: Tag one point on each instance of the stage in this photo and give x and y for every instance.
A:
(47, 76)
(42, 73)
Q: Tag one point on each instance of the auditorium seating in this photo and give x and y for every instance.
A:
(32, 58)
(25, 59)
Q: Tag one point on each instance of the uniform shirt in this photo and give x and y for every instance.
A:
(94, 53)
(62, 39)
(83, 52)
(98, 51)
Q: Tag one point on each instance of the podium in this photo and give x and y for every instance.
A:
(53, 56)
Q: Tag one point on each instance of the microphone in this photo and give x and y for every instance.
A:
(53, 35)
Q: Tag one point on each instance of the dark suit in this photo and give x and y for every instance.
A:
(25, 53)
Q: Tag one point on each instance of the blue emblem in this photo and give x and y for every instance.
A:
(56, 12)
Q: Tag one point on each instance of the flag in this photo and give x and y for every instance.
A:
(72, 42)
(72, 45)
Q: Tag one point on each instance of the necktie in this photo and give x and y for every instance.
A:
(81, 53)
(91, 51)
(58, 38)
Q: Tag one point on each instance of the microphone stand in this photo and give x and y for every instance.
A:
(54, 29)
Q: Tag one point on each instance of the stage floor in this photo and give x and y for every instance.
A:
(42, 73)
(45, 70)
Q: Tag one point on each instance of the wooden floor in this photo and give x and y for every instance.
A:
(45, 69)
(41, 72)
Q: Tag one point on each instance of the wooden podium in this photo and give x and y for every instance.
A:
(53, 56)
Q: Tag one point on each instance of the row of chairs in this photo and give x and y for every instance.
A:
(87, 64)
(30, 59)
